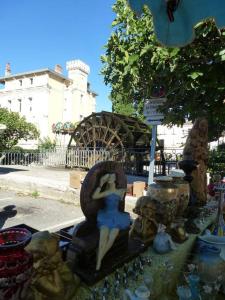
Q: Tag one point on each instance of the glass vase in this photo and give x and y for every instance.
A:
(16, 264)
(184, 293)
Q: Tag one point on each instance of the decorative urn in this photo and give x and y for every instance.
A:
(164, 193)
(183, 190)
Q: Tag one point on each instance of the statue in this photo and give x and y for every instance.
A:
(145, 226)
(100, 244)
(109, 219)
(196, 148)
(52, 278)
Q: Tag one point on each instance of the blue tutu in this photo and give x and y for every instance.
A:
(110, 216)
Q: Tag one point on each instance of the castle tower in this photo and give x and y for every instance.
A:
(7, 69)
(78, 71)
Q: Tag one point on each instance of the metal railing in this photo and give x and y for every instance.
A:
(135, 161)
(55, 158)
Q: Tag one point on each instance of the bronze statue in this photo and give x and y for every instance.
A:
(52, 278)
(145, 226)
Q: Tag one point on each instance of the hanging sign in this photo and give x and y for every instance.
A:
(151, 113)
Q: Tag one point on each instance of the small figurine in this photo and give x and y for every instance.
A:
(178, 232)
(163, 242)
(144, 227)
(109, 219)
(53, 279)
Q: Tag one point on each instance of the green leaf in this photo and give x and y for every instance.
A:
(195, 75)
(192, 76)
(222, 52)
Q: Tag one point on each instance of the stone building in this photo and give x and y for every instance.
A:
(174, 137)
(46, 97)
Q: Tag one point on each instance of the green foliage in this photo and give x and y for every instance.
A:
(135, 64)
(46, 144)
(35, 194)
(17, 128)
(216, 164)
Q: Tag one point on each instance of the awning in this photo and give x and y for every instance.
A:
(174, 20)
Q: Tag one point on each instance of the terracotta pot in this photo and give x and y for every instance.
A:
(164, 194)
(16, 265)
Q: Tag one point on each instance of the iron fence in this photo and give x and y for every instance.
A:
(135, 161)
(55, 158)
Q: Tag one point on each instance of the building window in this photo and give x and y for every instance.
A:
(21, 82)
(31, 81)
(81, 98)
(20, 105)
(10, 104)
(30, 103)
(81, 117)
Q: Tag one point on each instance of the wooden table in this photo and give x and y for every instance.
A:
(166, 270)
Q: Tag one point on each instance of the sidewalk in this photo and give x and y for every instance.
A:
(50, 183)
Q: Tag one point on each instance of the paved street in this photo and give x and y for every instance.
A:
(39, 213)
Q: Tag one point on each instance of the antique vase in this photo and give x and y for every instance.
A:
(16, 264)
(210, 264)
(164, 194)
(183, 190)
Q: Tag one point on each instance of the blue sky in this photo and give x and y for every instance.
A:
(38, 34)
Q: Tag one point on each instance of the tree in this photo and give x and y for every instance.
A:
(46, 144)
(216, 163)
(16, 128)
(193, 76)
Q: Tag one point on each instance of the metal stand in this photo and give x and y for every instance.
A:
(152, 155)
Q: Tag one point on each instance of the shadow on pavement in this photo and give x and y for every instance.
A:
(6, 170)
(6, 213)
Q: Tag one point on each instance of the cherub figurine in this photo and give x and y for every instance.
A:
(52, 277)
(109, 219)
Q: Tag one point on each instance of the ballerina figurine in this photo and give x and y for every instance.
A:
(109, 219)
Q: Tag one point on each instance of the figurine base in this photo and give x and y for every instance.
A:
(110, 263)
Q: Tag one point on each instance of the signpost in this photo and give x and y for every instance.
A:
(153, 117)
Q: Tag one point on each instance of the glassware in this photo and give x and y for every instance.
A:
(184, 292)
(219, 227)
(208, 292)
(16, 264)
(193, 282)
(148, 281)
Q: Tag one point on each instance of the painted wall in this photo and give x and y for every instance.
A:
(174, 137)
(45, 99)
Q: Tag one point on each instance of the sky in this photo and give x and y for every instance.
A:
(37, 34)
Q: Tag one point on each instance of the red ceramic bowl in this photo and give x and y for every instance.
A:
(14, 238)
